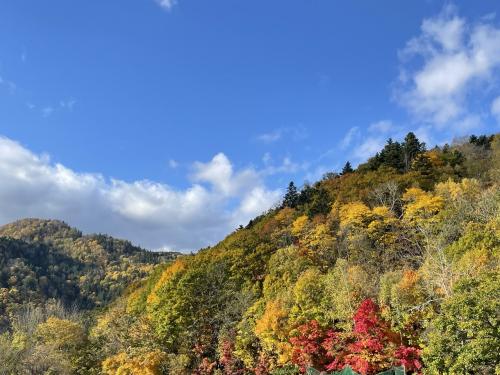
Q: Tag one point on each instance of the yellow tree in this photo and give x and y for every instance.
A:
(273, 330)
(150, 363)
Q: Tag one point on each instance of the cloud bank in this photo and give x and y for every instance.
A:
(151, 214)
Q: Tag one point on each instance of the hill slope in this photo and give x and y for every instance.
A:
(392, 264)
(47, 259)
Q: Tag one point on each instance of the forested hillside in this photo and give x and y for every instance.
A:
(393, 264)
(47, 262)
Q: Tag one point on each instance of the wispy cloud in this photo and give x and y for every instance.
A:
(266, 158)
(270, 137)
(49, 110)
(367, 148)
(495, 108)
(295, 133)
(351, 134)
(10, 85)
(67, 104)
(166, 4)
(44, 110)
(363, 145)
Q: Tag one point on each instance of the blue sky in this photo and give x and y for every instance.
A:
(170, 123)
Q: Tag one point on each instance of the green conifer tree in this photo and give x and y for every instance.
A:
(347, 169)
(411, 148)
(291, 198)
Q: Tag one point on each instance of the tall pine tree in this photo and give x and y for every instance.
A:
(411, 148)
(347, 169)
(392, 155)
(291, 198)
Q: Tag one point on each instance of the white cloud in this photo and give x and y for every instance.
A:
(149, 213)
(495, 108)
(368, 148)
(349, 137)
(364, 145)
(166, 4)
(295, 133)
(253, 202)
(427, 135)
(219, 173)
(468, 124)
(445, 64)
(270, 137)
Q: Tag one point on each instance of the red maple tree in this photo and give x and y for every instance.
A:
(370, 347)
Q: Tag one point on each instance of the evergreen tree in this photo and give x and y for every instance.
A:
(423, 165)
(482, 141)
(392, 155)
(347, 169)
(291, 198)
(320, 203)
(452, 157)
(411, 148)
(372, 164)
(396, 155)
(305, 194)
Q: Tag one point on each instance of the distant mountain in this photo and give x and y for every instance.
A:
(42, 260)
(39, 230)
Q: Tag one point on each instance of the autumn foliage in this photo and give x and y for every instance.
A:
(369, 348)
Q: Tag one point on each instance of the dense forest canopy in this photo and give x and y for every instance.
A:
(47, 261)
(390, 266)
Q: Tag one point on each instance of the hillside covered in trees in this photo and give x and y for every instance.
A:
(392, 264)
(48, 262)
